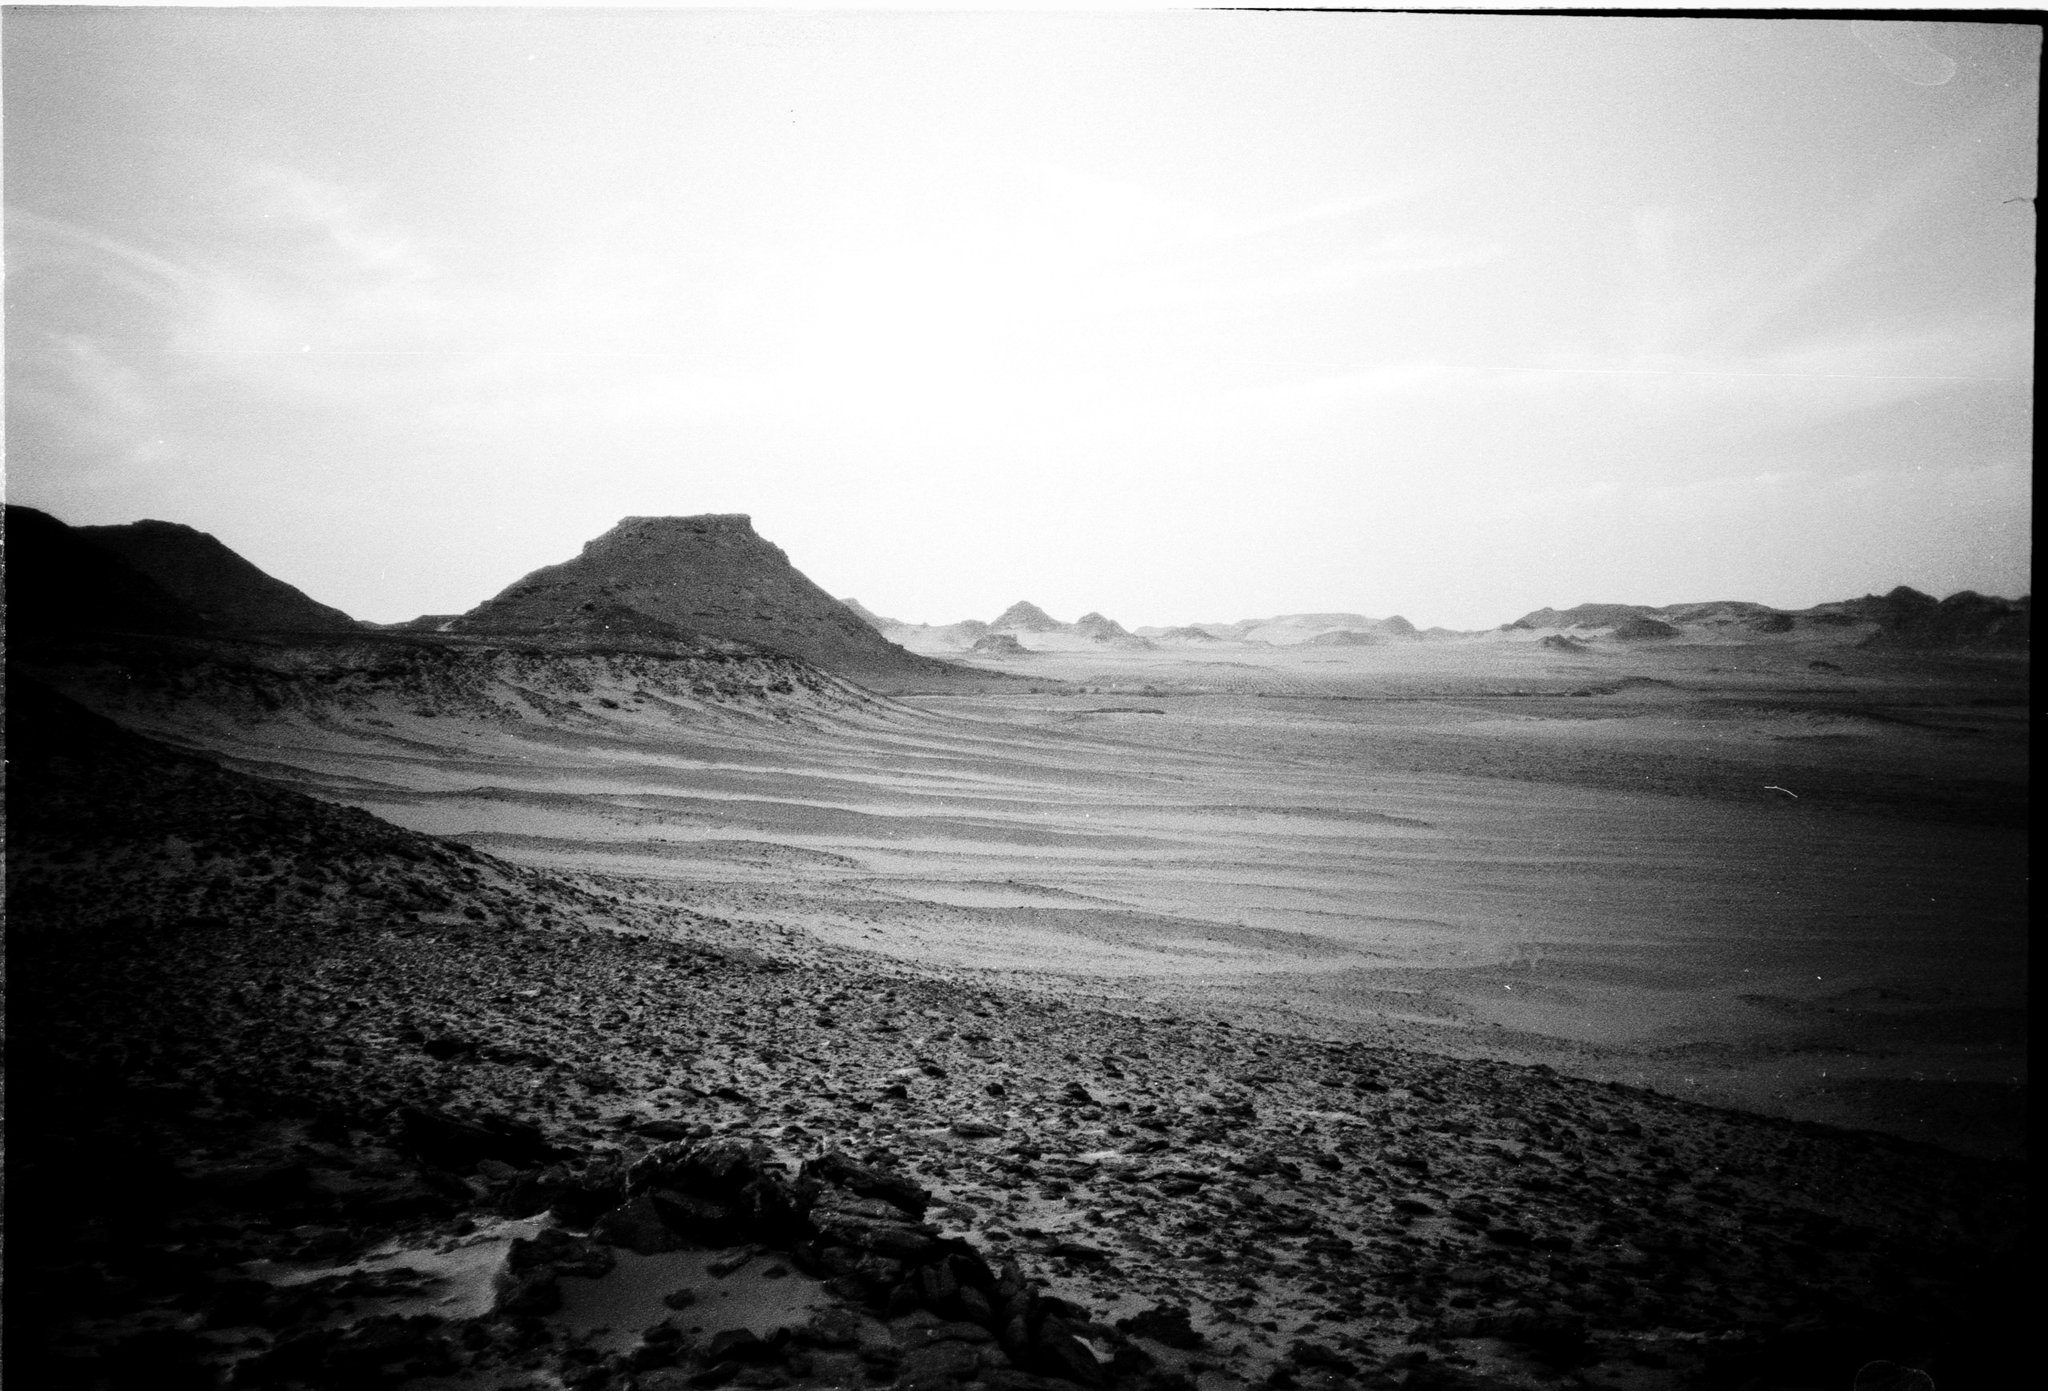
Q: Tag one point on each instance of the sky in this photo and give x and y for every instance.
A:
(1174, 316)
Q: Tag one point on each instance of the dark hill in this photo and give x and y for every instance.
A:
(1964, 619)
(220, 586)
(61, 585)
(678, 576)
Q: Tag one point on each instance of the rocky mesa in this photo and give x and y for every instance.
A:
(678, 576)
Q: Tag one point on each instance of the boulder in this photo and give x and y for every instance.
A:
(638, 1225)
(837, 1170)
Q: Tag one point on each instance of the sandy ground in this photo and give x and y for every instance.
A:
(1196, 1016)
(1715, 870)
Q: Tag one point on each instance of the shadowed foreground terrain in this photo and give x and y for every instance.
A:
(302, 1098)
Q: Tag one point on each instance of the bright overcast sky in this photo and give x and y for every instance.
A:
(1178, 316)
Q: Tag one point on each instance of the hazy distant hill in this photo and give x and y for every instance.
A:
(1584, 616)
(679, 576)
(59, 585)
(1903, 618)
(1026, 617)
(1295, 629)
(947, 637)
(1107, 631)
(224, 589)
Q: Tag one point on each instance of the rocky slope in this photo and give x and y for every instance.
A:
(328, 1103)
(224, 589)
(676, 577)
(871, 618)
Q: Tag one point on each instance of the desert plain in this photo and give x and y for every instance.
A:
(1721, 871)
(607, 1006)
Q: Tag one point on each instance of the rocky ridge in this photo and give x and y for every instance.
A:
(387, 679)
